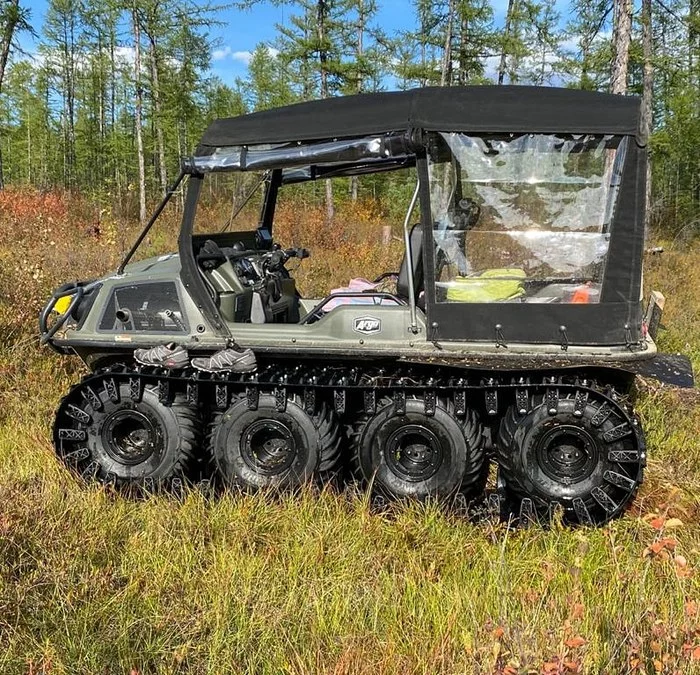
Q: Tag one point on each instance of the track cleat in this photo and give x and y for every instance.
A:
(170, 356)
(232, 360)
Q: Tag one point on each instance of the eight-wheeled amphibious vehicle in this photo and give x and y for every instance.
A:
(510, 335)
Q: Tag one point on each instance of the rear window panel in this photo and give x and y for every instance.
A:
(523, 218)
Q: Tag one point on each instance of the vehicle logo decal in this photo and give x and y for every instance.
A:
(367, 325)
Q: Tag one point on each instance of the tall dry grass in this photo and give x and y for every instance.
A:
(91, 582)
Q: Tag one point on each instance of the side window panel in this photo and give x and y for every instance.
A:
(522, 218)
(149, 307)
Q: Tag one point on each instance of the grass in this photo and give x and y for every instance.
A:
(91, 582)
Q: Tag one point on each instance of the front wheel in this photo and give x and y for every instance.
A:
(582, 453)
(107, 432)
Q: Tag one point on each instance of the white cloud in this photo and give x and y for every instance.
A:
(242, 56)
(125, 55)
(221, 54)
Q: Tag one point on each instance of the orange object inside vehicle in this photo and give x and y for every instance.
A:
(581, 295)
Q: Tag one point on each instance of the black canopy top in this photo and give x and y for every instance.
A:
(480, 109)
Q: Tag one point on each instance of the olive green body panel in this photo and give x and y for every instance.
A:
(351, 330)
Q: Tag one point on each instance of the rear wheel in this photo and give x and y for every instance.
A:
(581, 453)
(418, 455)
(266, 447)
(104, 432)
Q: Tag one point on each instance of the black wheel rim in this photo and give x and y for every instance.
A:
(414, 453)
(131, 437)
(268, 447)
(567, 453)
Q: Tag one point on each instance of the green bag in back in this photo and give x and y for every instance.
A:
(496, 285)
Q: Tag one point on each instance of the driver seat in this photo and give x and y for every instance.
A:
(414, 267)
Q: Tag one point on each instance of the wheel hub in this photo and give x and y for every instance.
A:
(130, 436)
(413, 452)
(269, 447)
(567, 453)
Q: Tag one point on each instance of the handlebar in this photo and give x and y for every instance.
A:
(277, 258)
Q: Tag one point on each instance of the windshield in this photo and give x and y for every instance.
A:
(523, 218)
(230, 202)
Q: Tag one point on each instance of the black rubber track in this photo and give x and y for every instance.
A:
(603, 486)
(466, 478)
(81, 414)
(330, 438)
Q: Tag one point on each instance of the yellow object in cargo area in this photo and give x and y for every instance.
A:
(494, 285)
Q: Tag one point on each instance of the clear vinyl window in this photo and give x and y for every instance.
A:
(152, 307)
(522, 218)
(229, 201)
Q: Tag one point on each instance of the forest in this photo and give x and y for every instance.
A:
(117, 92)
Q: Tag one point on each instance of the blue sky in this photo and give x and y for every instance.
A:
(241, 31)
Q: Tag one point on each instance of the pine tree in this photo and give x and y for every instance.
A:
(311, 47)
(587, 65)
(62, 52)
(13, 19)
(267, 85)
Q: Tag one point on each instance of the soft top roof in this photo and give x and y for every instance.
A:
(479, 109)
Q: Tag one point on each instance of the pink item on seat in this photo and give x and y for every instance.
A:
(357, 285)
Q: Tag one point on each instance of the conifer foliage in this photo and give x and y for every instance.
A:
(118, 90)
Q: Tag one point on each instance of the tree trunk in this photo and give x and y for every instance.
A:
(445, 75)
(11, 14)
(321, 13)
(101, 102)
(506, 37)
(138, 115)
(321, 9)
(647, 97)
(181, 153)
(29, 151)
(423, 38)
(158, 120)
(464, 65)
(359, 80)
(113, 107)
(69, 97)
(621, 46)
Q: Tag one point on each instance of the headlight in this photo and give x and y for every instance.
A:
(62, 304)
(71, 301)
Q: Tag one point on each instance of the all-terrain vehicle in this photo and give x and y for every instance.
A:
(511, 335)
